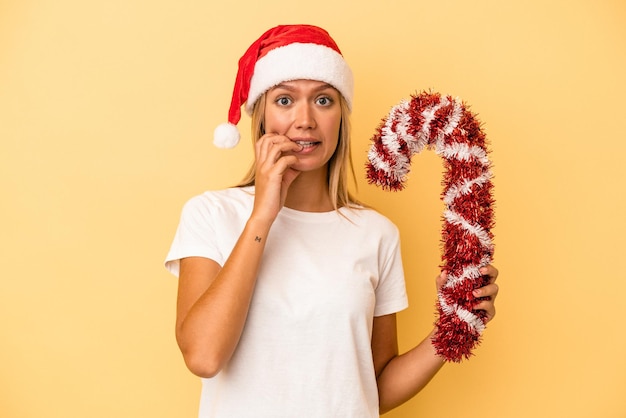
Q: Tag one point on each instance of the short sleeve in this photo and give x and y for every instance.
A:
(391, 294)
(195, 235)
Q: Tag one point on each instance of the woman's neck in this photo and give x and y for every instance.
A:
(309, 193)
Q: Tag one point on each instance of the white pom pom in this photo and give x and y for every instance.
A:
(226, 135)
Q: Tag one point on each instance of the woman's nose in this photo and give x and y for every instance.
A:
(304, 116)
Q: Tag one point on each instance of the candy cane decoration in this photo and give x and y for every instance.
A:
(444, 124)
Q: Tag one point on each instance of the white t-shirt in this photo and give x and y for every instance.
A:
(305, 350)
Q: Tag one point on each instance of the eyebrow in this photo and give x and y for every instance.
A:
(290, 88)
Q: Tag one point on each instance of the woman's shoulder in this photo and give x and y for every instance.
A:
(370, 217)
(234, 198)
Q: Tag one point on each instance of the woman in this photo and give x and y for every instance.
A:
(288, 287)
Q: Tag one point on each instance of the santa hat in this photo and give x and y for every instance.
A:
(284, 53)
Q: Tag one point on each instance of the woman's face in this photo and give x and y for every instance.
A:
(309, 113)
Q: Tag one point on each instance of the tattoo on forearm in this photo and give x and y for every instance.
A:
(257, 238)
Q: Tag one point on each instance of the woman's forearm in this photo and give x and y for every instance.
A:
(405, 375)
(209, 329)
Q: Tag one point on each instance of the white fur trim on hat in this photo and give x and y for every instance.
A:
(298, 61)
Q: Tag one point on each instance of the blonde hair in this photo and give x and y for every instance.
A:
(340, 165)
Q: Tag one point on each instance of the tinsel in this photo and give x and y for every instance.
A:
(443, 123)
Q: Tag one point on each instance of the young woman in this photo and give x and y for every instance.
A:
(288, 287)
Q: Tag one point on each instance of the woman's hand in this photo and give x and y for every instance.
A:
(274, 174)
(487, 293)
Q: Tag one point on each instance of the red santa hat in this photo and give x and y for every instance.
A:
(284, 53)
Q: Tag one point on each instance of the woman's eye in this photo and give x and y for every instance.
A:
(283, 101)
(324, 101)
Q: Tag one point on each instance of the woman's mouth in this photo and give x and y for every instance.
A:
(306, 145)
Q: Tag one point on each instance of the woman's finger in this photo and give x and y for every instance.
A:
(487, 291)
(441, 280)
(488, 307)
(486, 297)
(271, 147)
(490, 271)
(263, 146)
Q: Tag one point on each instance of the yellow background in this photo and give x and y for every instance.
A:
(106, 115)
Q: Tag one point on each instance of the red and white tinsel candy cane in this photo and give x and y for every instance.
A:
(443, 123)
